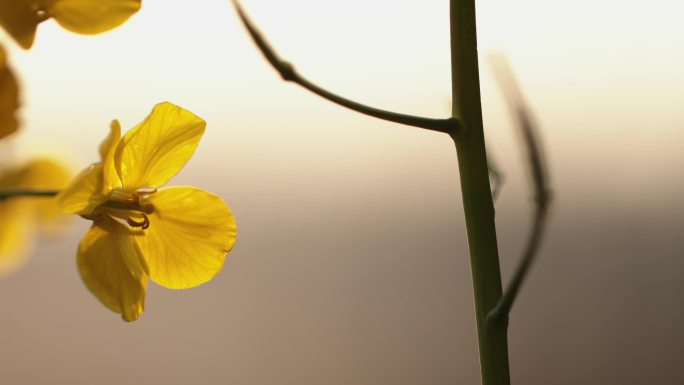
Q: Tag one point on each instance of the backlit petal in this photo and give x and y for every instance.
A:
(20, 215)
(83, 194)
(15, 225)
(20, 20)
(92, 16)
(111, 141)
(9, 98)
(190, 233)
(44, 174)
(15, 235)
(104, 260)
(156, 149)
(111, 179)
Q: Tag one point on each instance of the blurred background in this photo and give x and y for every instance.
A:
(351, 264)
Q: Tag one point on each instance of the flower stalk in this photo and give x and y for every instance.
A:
(16, 193)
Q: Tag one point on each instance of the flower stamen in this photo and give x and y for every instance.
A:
(145, 191)
(144, 223)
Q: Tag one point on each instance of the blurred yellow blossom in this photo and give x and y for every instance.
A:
(24, 216)
(177, 236)
(20, 18)
(9, 97)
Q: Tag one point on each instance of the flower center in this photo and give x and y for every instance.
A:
(128, 208)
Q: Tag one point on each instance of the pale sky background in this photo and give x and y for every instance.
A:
(351, 264)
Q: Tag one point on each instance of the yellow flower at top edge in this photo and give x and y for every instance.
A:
(176, 236)
(20, 18)
(9, 98)
(22, 217)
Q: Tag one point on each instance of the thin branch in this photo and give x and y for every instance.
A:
(538, 173)
(287, 72)
(16, 193)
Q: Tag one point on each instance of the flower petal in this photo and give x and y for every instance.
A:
(83, 195)
(92, 186)
(111, 179)
(15, 226)
(20, 215)
(19, 20)
(111, 141)
(156, 149)
(92, 16)
(15, 235)
(107, 259)
(45, 174)
(9, 98)
(190, 232)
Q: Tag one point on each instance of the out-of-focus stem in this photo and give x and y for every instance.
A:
(540, 182)
(16, 193)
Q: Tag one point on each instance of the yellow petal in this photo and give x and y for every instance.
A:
(111, 141)
(20, 215)
(92, 16)
(111, 179)
(15, 235)
(156, 149)
(83, 195)
(92, 186)
(44, 174)
(190, 233)
(20, 20)
(15, 225)
(106, 260)
(9, 98)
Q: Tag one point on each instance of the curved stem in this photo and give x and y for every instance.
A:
(287, 72)
(448, 125)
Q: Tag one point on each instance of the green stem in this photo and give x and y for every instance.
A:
(16, 193)
(477, 198)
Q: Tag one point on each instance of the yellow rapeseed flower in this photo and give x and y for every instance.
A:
(22, 217)
(177, 236)
(9, 98)
(20, 18)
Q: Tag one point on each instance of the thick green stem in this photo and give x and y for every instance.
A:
(477, 198)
